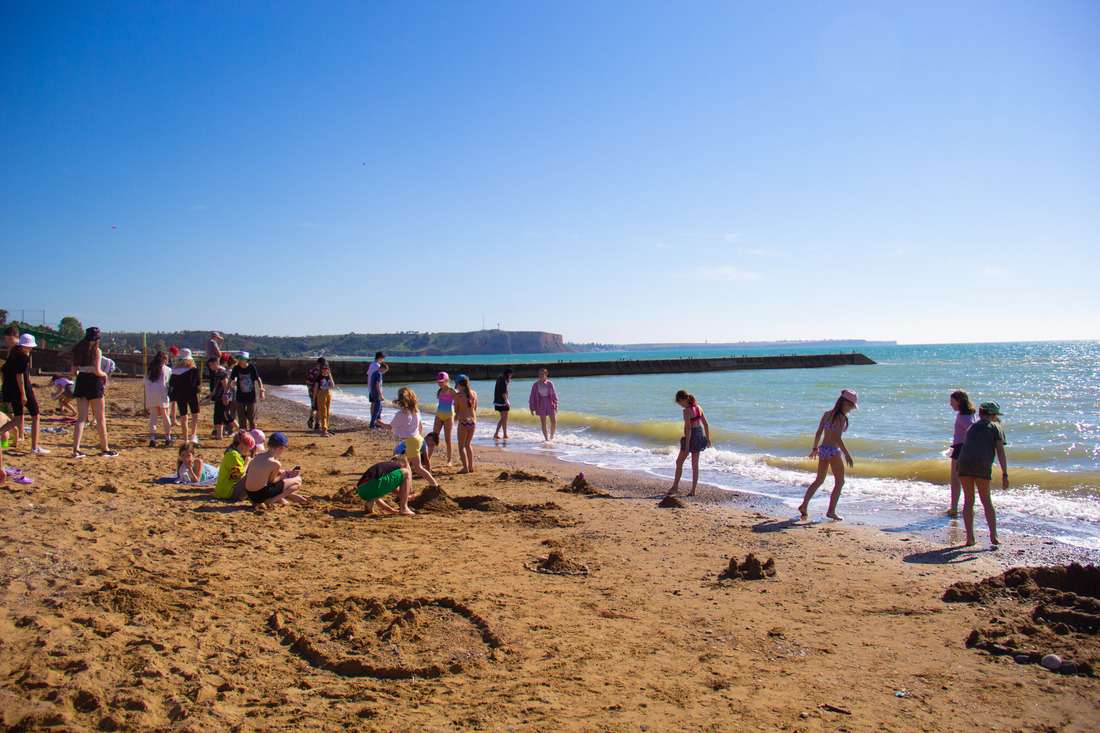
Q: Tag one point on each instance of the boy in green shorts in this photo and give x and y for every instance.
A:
(386, 478)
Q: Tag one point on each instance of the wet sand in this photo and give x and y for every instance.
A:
(134, 605)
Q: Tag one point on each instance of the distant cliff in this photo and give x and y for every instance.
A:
(492, 341)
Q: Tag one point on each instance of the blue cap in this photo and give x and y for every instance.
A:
(277, 440)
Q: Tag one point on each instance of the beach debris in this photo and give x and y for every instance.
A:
(1058, 610)
(672, 502)
(349, 452)
(835, 709)
(556, 563)
(521, 475)
(750, 569)
(581, 485)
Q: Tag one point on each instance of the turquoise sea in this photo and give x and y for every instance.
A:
(762, 425)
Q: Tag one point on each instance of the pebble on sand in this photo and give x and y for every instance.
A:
(1052, 662)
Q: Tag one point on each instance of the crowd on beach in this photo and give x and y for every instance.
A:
(250, 467)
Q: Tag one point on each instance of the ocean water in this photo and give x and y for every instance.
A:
(762, 425)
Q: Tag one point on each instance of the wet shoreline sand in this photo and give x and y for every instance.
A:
(134, 605)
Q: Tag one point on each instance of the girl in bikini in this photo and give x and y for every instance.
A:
(696, 439)
(466, 414)
(833, 424)
(444, 413)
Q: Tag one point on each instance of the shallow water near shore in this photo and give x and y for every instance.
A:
(762, 425)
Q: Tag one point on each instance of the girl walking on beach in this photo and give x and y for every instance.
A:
(696, 439)
(18, 391)
(323, 395)
(406, 425)
(544, 403)
(444, 412)
(960, 403)
(466, 414)
(157, 403)
(88, 391)
(830, 451)
(985, 440)
(183, 388)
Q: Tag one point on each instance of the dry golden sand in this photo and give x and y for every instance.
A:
(133, 605)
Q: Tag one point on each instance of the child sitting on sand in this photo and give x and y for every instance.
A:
(386, 478)
(191, 470)
(406, 425)
(985, 440)
(265, 480)
(230, 485)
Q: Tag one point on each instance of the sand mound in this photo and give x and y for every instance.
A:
(482, 504)
(556, 563)
(750, 569)
(434, 499)
(672, 502)
(1039, 611)
(521, 476)
(347, 496)
(349, 452)
(396, 638)
(581, 485)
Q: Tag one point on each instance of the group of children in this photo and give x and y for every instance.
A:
(173, 384)
(977, 441)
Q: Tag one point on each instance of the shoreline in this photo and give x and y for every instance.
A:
(936, 529)
(129, 604)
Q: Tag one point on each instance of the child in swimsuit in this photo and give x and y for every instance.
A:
(466, 414)
(406, 425)
(696, 439)
(444, 413)
(833, 424)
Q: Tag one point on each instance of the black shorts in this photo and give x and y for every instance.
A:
(956, 450)
(501, 408)
(221, 413)
(268, 492)
(188, 403)
(88, 386)
(17, 406)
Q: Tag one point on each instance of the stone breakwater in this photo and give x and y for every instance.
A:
(348, 371)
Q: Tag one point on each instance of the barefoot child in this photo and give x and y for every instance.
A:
(265, 480)
(833, 424)
(466, 414)
(984, 440)
(960, 403)
(696, 440)
(323, 398)
(406, 425)
(431, 442)
(444, 413)
(386, 478)
(230, 485)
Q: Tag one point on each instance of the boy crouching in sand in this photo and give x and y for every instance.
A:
(267, 483)
(385, 478)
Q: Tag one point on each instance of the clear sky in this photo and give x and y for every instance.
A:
(611, 171)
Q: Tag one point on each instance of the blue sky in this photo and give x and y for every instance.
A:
(612, 171)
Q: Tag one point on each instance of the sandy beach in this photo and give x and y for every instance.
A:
(130, 604)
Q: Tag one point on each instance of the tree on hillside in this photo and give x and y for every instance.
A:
(70, 328)
(3, 317)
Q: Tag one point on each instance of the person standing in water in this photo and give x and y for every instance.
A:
(829, 451)
(500, 402)
(544, 403)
